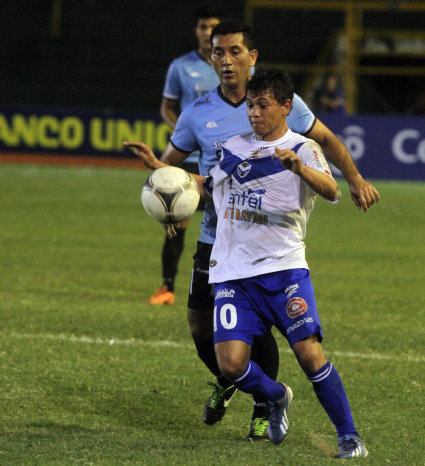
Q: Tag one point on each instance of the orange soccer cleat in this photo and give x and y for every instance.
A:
(162, 296)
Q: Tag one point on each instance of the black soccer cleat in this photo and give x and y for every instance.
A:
(217, 403)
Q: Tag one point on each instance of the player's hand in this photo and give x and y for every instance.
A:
(364, 194)
(171, 229)
(288, 159)
(143, 151)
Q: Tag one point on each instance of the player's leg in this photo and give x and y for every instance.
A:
(171, 252)
(301, 326)
(265, 353)
(235, 364)
(331, 394)
(200, 315)
(253, 380)
(236, 322)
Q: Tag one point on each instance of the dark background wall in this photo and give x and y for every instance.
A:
(114, 53)
(108, 53)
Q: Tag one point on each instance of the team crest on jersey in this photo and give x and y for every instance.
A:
(296, 307)
(243, 169)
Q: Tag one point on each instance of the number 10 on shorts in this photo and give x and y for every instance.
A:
(227, 315)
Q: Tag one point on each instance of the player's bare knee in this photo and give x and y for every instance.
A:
(309, 354)
(231, 368)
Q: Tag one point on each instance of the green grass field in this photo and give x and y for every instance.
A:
(91, 374)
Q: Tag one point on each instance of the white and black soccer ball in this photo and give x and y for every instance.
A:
(170, 195)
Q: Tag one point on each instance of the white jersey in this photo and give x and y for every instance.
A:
(262, 208)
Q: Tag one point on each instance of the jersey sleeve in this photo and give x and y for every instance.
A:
(184, 138)
(301, 119)
(172, 88)
(312, 156)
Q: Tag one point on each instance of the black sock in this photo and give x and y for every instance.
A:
(260, 410)
(266, 354)
(171, 253)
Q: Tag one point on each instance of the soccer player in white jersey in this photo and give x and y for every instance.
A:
(188, 77)
(208, 123)
(264, 189)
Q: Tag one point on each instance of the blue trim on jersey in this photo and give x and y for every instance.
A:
(250, 169)
(260, 168)
(229, 161)
(295, 148)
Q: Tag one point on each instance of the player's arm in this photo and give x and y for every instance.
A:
(171, 156)
(363, 193)
(168, 111)
(319, 182)
(200, 181)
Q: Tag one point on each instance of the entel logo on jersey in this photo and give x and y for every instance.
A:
(296, 307)
(244, 198)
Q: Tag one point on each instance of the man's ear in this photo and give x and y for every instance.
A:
(254, 55)
(287, 107)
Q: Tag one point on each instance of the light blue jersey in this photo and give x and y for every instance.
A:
(189, 77)
(208, 122)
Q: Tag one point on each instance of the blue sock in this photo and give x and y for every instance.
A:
(256, 382)
(329, 390)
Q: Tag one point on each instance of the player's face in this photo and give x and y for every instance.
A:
(267, 116)
(232, 60)
(203, 31)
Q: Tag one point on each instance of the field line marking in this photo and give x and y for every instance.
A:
(173, 344)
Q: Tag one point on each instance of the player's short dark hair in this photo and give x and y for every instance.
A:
(234, 26)
(279, 83)
(208, 11)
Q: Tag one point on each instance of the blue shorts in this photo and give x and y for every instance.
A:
(247, 308)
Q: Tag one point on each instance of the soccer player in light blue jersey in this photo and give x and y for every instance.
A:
(206, 124)
(191, 75)
(188, 77)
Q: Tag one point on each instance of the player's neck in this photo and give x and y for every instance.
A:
(234, 94)
(274, 135)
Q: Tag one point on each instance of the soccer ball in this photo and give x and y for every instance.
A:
(170, 195)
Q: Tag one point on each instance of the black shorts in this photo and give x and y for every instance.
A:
(201, 293)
